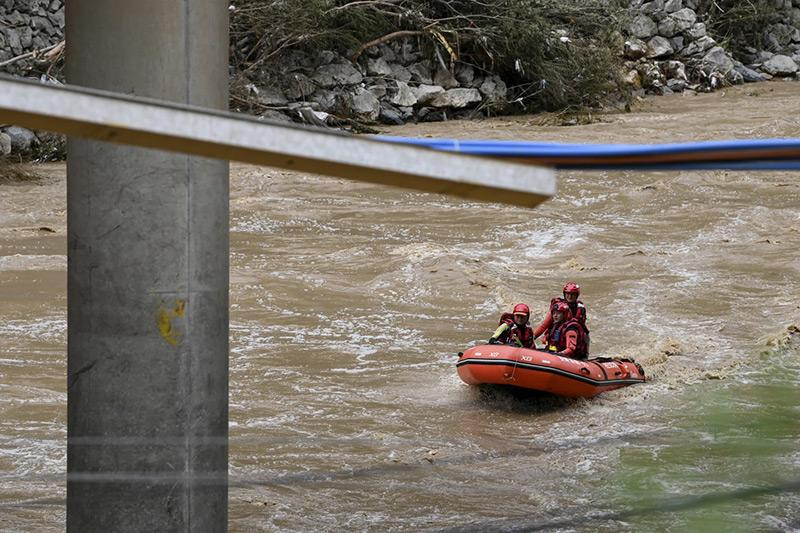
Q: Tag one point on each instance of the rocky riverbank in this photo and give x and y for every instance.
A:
(665, 46)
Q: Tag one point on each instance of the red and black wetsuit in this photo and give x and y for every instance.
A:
(578, 313)
(568, 339)
(515, 333)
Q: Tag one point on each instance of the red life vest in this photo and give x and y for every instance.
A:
(577, 308)
(514, 332)
(557, 338)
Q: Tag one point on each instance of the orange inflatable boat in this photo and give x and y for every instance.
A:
(543, 371)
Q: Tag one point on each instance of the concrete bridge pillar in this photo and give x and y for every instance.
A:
(147, 280)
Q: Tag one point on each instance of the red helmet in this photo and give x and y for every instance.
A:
(564, 308)
(571, 286)
(522, 309)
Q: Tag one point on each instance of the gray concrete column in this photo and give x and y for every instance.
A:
(147, 281)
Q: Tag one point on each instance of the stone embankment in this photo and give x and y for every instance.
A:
(667, 48)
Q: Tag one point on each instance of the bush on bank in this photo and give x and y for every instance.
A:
(555, 54)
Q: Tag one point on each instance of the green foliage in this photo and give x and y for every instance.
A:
(557, 54)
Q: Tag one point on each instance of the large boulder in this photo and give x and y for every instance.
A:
(365, 105)
(5, 144)
(297, 85)
(22, 140)
(635, 48)
(780, 65)
(699, 46)
(404, 96)
(426, 93)
(717, 60)
(456, 98)
(659, 47)
(401, 73)
(643, 27)
(378, 67)
(672, 6)
(697, 31)
(749, 75)
(445, 78)
(421, 72)
(328, 76)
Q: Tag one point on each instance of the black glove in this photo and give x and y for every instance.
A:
(492, 340)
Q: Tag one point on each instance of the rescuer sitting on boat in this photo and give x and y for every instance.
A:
(566, 335)
(514, 329)
(570, 292)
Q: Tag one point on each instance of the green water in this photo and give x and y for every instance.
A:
(730, 460)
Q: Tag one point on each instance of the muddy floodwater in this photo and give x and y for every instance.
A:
(350, 301)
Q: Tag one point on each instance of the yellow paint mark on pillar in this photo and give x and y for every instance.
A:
(164, 320)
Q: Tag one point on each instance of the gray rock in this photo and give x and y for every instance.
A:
(780, 65)
(272, 96)
(337, 74)
(57, 19)
(22, 140)
(54, 6)
(43, 25)
(465, 74)
(406, 112)
(404, 96)
(692, 4)
(658, 47)
(749, 75)
(456, 98)
(675, 70)
(366, 105)
(326, 57)
(297, 85)
(677, 43)
(12, 38)
(677, 86)
(633, 79)
(650, 74)
(784, 34)
(326, 99)
(274, 116)
(643, 27)
(668, 27)
(444, 78)
(697, 31)
(400, 73)
(652, 7)
(684, 19)
(421, 72)
(717, 60)
(699, 46)
(378, 89)
(426, 93)
(635, 48)
(378, 67)
(26, 37)
(762, 56)
(5, 144)
(494, 89)
(15, 18)
(390, 115)
(672, 6)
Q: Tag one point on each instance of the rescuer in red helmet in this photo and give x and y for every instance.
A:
(570, 294)
(514, 329)
(565, 336)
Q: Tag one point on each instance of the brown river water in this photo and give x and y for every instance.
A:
(350, 301)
